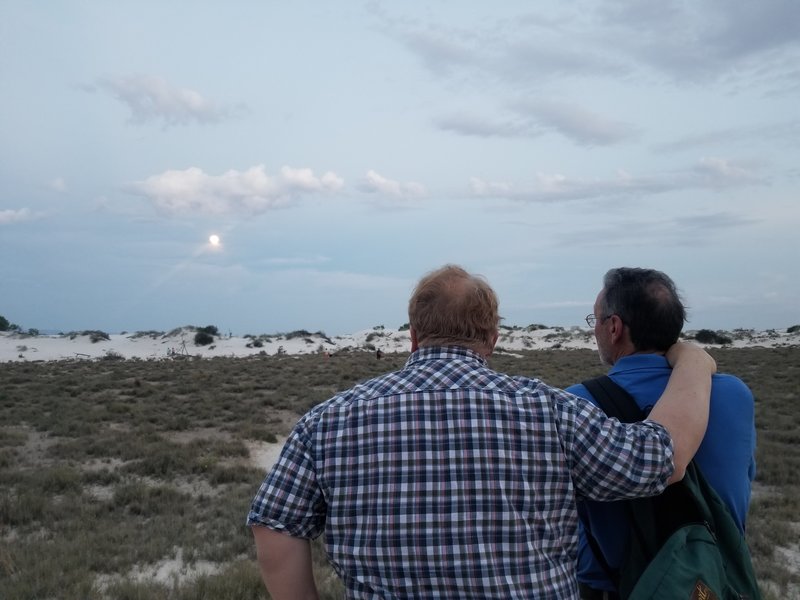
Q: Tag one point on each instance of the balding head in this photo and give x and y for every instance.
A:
(451, 307)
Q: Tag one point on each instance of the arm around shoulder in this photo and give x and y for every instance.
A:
(684, 405)
(285, 564)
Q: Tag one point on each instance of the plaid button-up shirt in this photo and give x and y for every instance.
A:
(449, 480)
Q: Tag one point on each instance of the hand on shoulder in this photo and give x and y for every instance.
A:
(686, 353)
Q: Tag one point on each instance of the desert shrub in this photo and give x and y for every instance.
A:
(144, 500)
(404, 327)
(151, 333)
(4, 324)
(201, 338)
(209, 329)
(793, 329)
(94, 335)
(297, 333)
(57, 479)
(22, 508)
(7, 457)
(706, 336)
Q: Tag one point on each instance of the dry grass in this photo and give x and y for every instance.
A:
(132, 479)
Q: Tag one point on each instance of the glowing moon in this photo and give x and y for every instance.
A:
(213, 239)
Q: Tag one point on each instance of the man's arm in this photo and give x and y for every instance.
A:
(683, 407)
(285, 564)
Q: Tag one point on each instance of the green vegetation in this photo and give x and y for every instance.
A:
(201, 338)
(706, 336)
(209, 329)
(111, 468)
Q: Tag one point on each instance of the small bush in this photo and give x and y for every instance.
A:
(94, 335)
(112, 355)
(706, 336)
(793, 329)
(297, 333)
(209, 329)
(202, 338)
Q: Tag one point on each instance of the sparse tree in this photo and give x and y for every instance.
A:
(202, 338)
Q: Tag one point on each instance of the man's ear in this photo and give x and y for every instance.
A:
(414, 342)
(616, 328)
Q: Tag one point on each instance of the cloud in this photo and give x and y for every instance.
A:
(712, 221)
(699, 229)
(709, 173)
(686, 41)
(152, 98)
(698, 40)
(295, 260)
(58, 184)
(786, 131)
(720, 172)
(479, 187)
(582, 126)
(501, 50)
(9, 216)
(438, 50)
(375, 183)
(193, 192)
(535, 118)
(472, 125)
(746, 28)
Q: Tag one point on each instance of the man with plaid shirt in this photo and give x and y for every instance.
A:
(447, 479)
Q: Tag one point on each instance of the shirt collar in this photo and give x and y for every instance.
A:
(639, 361)
(429, 353)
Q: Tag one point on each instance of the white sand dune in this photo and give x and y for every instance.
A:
(180, 343)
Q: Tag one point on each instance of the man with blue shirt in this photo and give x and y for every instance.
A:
(637, 316)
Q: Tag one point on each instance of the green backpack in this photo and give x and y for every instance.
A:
(683, 543)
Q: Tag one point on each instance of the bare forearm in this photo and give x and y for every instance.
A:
(285, 564)
(683, 407)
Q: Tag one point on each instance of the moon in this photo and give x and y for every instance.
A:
(213, 239)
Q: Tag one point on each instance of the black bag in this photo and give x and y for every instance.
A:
(683, 543)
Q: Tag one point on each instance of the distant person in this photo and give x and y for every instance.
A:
(637, 316)
(379, 354)
(447, 479)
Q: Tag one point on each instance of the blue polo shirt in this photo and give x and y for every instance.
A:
(726, 456)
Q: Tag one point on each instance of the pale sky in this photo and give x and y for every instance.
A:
(340, 150)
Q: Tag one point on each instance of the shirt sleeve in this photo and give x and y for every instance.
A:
(290, 499)
(610, 460)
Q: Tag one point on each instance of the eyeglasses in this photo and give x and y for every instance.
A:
(591, 319)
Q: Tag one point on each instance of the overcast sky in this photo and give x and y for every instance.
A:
(340, 150)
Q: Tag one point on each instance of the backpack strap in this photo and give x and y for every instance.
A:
(615, 402)
(613, 399)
